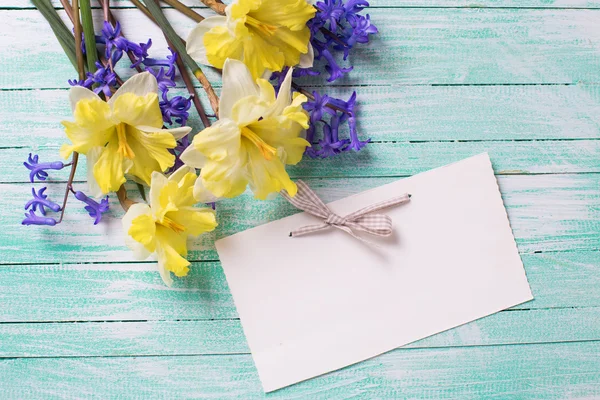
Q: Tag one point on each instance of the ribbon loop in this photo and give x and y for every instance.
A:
(361, 220)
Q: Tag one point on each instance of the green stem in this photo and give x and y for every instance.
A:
(88, 34)
(175, 40)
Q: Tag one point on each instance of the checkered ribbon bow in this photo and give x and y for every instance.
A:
(361, 220)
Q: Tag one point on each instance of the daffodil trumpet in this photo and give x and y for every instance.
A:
(257, 135)
(123, 135)
(266, 35)
(162, 228)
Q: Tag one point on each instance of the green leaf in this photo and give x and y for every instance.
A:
(62, 33)
(175, 40)
(87, 23)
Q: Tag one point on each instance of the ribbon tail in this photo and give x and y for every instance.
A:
(395, 201)
(309, 229)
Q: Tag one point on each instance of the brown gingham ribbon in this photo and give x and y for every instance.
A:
(361, 220)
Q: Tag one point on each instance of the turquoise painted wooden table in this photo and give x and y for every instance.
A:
(446, 79)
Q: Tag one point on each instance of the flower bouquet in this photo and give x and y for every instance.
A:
(136, 130)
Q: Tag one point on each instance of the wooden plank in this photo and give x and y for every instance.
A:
(547, 213)
(391, 159)
(416, 46)
(384, 3)
(135, 292)
(386, 113)
(548, 371)
(227, 337)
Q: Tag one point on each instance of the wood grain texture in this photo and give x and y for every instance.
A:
(227, 337)
(548, 371)
(390, 159)
(135, 292)
(386, 3)
(547, 213)
(446, 79)
(386, 113)
(416, 46)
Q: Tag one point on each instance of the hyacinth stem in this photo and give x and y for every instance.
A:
(177, 43)
(333, 36)
(81, 70)
(102, 59)
(215, 5)
(78, 51)
(192, 92)
(106, 9)
(123, 199)
(184, 10)
(108, 16)
(182, 70)
(88, 34)
(310, 96)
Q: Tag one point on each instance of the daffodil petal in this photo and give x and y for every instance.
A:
(286, 137)
(307, 59)
(248, 109)
(93, 127)
(139, 84)
(151, 152)
(109, 170)
(220, 45)
(77, 93)
(260, 54)
(219, 142)
(202, 194)
(238, 83)
(284, 97)
(195, 41)
(158, 182)
(140, 252)
(92, 157)
(192, 157)
(170, 260)
(225, 179)
(181, 173)
(268, 176)
(196, 220)
(178, 132)
(143, 230)
(293, 14)
(135, 110)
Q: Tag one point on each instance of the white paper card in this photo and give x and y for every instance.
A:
(320, 302)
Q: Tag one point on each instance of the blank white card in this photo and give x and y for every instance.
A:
(320, 302)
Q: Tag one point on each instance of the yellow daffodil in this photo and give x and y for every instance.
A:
(163, 227)
(123, 135)
(256, 135)
(264, 34)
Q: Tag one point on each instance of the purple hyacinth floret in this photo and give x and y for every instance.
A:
(318, 107)
(38, 170)
(175, 108)
(337, 26)
(157, 62)
(343, 113)
(32, 219)
(104, 78)
(81, 82)
(41, 201)
(112, 39)
(140, 52)
(165, 79)
(359, 30)
(94, 208)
